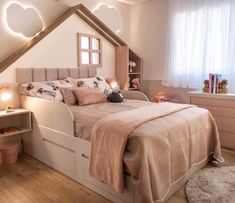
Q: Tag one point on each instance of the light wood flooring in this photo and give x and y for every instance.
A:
(30, 181)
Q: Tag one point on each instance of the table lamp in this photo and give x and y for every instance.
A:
(5, 96)
(114, 84)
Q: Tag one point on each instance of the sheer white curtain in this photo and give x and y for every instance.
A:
(201, 41)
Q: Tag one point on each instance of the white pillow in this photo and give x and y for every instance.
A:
(47, 90)
(95, 82)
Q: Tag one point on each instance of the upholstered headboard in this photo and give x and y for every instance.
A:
(24, 75)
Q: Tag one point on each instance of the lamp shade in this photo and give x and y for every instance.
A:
(113, 83)
(5, 96)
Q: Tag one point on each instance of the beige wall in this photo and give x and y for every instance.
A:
(149, 36)
(49, 10)
(149, 40)
(144, 28)
(59, 49)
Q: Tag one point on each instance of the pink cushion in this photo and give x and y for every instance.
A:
(68, 95)
(87, 96)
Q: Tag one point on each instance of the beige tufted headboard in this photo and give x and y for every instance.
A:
(24, 75)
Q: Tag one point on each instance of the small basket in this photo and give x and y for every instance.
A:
(9, 153)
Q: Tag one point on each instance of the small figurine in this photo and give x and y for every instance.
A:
(136, 83)
(132, 65)
(160, 97)
(10, 108)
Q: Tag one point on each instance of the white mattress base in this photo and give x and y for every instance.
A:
(52, 141)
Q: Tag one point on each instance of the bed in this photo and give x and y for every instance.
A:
(58, 141)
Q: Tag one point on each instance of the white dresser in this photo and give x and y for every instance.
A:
(222, 107)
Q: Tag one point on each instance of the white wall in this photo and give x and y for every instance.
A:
(49, 10)
(149, 36)
(149, 40)
(59, 49)
(9, 42)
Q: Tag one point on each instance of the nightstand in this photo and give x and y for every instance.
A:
(222, 107)
(16, 122)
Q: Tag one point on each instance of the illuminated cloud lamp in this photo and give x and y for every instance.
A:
(22, 20)
(109, 15)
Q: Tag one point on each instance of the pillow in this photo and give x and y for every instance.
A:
(95, 82)
(47, 90)
(87, 96)
(68, 95)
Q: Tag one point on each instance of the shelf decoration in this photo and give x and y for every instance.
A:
(136, 83)
(10, 108)
(132, 65)
(161, 96)
(9, 130)
(215, 84)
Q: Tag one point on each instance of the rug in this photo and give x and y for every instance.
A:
(212, 185)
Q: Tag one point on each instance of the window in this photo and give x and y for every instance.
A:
(201, 41)
(89, 50)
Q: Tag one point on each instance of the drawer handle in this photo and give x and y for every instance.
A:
(85, 156)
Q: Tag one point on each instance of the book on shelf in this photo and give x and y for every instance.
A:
(214, 80)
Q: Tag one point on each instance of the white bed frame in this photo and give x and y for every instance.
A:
(53, 142)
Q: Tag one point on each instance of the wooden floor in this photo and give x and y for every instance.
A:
(30, 181)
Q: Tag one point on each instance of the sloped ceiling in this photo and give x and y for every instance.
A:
(132, 2)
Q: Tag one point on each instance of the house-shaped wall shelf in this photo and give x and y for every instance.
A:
(122, 52)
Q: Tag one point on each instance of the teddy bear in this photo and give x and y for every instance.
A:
(136, 83)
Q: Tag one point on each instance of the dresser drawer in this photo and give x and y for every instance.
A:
(220, 111)
(225, 124)
(212, 102)
(227, 139)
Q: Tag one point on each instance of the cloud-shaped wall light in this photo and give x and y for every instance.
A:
(22, 20)
(110, 16)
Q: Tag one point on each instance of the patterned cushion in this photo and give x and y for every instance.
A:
(68, 95)
(95, 82)
(87, 96)
(48, 90)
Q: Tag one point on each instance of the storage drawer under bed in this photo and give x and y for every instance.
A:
(84, 153)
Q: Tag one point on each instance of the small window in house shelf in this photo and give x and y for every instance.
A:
(89, 50)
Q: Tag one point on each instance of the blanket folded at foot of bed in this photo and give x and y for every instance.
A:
(109, 139)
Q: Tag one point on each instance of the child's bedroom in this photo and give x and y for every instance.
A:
(124, 101)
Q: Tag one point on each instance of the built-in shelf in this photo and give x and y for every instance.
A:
(134, 73)
(19, 119)
(123, 57)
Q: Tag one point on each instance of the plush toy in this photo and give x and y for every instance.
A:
(160, 97)
(115, 97)
(136, 83)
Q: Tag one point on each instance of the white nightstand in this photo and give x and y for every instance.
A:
(20, 120)
(222, 107)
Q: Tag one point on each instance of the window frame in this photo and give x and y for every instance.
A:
(89, 50)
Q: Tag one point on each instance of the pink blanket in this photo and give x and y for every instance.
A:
(169, 150)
